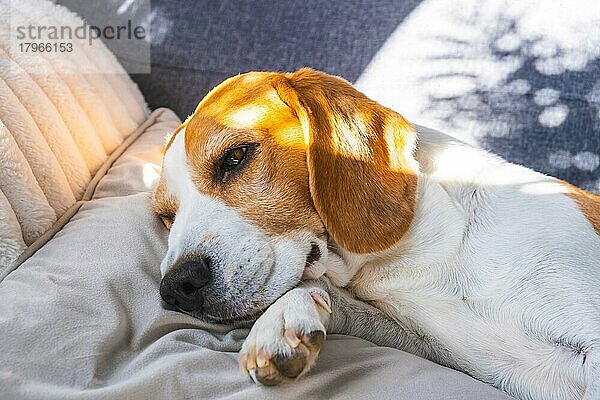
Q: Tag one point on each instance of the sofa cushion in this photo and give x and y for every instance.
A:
(132, 167)
(61, 116)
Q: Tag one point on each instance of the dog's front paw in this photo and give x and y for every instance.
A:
(285, 341)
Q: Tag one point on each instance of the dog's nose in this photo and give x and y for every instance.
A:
(182, 285)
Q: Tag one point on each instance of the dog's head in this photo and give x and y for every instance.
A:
(268, 170)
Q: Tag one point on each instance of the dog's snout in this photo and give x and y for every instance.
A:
(182, 285)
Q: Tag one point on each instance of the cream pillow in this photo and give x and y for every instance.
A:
(61, 116)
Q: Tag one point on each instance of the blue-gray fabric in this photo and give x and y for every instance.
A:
(197, 44)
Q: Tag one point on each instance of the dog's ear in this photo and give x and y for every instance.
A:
(362, 174)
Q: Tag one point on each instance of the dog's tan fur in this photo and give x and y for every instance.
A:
(588, 203)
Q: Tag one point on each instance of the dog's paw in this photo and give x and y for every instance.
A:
(285, 341)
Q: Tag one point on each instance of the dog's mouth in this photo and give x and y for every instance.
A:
(314, 255)
(241, 321)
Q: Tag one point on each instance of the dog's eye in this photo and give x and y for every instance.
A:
(232, 161)
(167, 221)
(234, 157)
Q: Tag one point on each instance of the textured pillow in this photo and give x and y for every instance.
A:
(61, 116)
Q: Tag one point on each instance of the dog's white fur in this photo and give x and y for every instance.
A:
(498, 275)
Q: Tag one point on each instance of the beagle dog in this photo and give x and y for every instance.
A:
(294, 198)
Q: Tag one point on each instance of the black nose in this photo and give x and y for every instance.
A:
(181, 286)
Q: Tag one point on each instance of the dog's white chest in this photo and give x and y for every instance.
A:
(437, 310)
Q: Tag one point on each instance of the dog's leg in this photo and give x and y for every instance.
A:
(286, 339)
(355, 317)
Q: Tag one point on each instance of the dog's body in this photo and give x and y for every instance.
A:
(468, 260)
(499, 274)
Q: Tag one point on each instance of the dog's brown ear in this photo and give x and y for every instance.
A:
(362, 174)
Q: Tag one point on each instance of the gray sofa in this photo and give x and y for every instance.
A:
(521, 80)
(516, 68)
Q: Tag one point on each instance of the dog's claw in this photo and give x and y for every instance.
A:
(251, 361)
(262, 359)
(291, 338)
(321, 302)
(243, 363)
